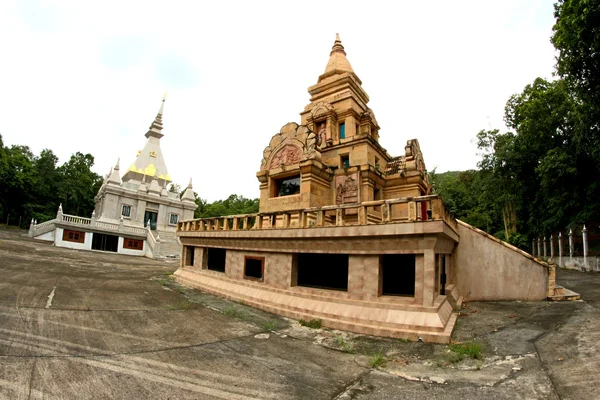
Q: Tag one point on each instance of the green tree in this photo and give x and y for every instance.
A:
(78, 185)
(233, 205)
(576, 36)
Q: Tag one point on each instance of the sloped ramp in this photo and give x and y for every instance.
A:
(488, 268)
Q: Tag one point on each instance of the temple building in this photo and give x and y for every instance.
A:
(135, 214)
(348, 234)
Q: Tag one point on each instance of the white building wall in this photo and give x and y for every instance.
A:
(48, 236)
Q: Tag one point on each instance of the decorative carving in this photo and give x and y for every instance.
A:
(322, 135)
(346, 188)
(294, 142)
(288, 155)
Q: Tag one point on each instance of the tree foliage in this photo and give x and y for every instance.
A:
(544, 174)
(233, 205)
(32, 187)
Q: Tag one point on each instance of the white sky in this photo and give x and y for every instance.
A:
(89, 76)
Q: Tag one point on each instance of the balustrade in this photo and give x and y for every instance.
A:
(369, 212)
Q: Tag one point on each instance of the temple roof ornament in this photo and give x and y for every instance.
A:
(337, 58)
(115, 178)
(188, 195)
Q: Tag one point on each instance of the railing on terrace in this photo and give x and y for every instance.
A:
(408, 209)
(38, 229)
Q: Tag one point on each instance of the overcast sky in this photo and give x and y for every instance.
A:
(89, 76)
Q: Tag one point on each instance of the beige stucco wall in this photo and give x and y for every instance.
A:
(488, 269)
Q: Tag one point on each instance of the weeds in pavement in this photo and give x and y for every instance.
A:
(313, 323)
(233, 311)
(270, 325)
(467, 349)
(163, 282)
(184, 305)
(343, 345)
(376, 360)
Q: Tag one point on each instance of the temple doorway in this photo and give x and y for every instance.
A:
(151, 216)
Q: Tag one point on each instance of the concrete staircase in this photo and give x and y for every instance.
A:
(168, 247)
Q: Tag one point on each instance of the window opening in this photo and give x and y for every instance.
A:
(173, 219)
(254, 268)
(73, 236)
(397, 274)
(342, 131)
(133, 244)
(345, 161)
(216, 259)
(323, 271)
(287, 186)
(126, 210)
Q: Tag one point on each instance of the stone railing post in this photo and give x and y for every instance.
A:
(301, 219)
(585, 246)
(385, 212)
(286, 220)
(551, 246)
(560, 249)
(545, 247)
(59, 213)
(339, 217)
(412, 211)
(570, 244)
(533, 247)
(225, 224)
(362, 215)
(539, 252)
(245, 222)
(320, 218)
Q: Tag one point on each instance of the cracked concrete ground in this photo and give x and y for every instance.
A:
(79, 325)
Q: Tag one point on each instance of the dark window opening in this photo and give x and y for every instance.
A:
(323, 271)
(254, 267)
(287, 186)
(133, 244)
(342, 131)
(104, 242)
(443, 275)
(345, 161)
(398, 274)
(216, 259)
(73, 236)
(189, 256)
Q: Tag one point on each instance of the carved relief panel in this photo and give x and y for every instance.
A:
(288, 155)
(347, 189)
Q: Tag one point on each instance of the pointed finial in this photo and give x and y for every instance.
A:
(162, 104)
(190, 184)
(60, 207)
(117, 165)
(337, 45)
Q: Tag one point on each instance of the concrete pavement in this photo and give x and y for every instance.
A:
(79, 325)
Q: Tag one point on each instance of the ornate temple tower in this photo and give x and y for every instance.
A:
(334, 156)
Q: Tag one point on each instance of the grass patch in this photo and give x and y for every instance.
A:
(233, 311)
(270, 325)
(184, 305)
(404, 340)
(162, 282)
(376, 360)
(343, 344)
(181, 290)
(459, 351)
(167, 273)
(313, 323)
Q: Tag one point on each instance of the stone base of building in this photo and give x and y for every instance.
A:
(396, 317)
